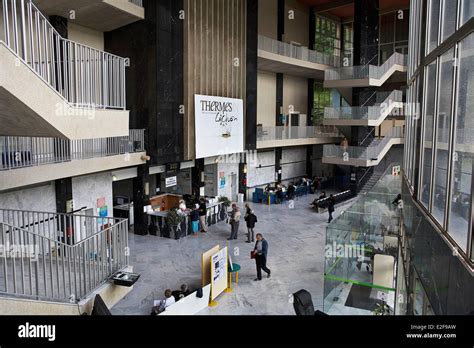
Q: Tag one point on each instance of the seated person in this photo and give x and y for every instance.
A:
(182, 292)
(160, 306)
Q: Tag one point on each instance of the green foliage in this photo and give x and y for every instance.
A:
(174, 219)
(225, 201)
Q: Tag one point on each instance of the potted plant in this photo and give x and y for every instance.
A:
(382, 309)
(225, 204)
(174, 220)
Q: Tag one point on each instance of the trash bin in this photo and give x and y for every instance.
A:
(241, 197)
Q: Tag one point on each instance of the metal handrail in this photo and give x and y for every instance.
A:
(297, 132)
(364, 112)
(361, 152)
(22, 152)
(365, 71)
(51, 257)
(137, 2)
(297, 52)
(83, 76)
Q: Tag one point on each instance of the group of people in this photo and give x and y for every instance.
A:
(197, 214)
(171, 297)
(234, 221)
(260, 251)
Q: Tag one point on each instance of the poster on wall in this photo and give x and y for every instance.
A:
(219, 126)
(221, 180)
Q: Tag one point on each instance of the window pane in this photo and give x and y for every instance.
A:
(428, 131)
(442, 139)
(462, 163)
(449, 18)
(434, 24)
(387, 27)
(467, 10)
(401, 33)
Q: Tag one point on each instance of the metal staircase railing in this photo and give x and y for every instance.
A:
(59, 257)
(365, 71)
(364, 112)
(22, 152)
(82, 75)
(360, 152)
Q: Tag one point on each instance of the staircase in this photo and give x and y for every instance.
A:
(364, 156)
(365, 75)
(372, 116)
(54, 86)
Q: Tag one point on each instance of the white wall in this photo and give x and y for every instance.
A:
(266, 99)
(85, 35)
(262, 172)
(41, 198)
(295, 94)
(293, 163)
(268, 18)
(86, 190)
(297, 28)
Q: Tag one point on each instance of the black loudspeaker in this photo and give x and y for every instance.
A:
(303, 303)
(199, 293)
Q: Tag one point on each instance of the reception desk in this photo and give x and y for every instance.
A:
(216, 213)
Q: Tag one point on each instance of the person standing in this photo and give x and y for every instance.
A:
(203, 214)
(331, 209)
(195, 219)
(251, 220)
(261, 254)
(234, 221)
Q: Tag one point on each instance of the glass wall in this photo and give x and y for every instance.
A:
(394, 27)
(463, 151)
(447, 121)
(428, 121)
(347, 44)
(467, 10)
(328, 36)
(432, 25)
(443, 124)
(322, 99)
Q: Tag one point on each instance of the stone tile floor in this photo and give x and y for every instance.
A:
(296, 240)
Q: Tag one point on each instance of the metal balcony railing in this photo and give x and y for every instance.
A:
(364, 112)
(368, 153)
(297, 52)
(293, 133)
(59, 257)
(82, 75)
(137, 2)
(22, 152)
(365, 71)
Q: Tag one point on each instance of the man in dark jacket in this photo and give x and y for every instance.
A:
(251, 220)
(261, 253)
(203, 214)
(331, 209)
(291, 192)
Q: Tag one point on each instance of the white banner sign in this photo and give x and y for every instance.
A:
(219, 126)
(172, 181)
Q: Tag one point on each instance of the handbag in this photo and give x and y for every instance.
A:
(253, 254)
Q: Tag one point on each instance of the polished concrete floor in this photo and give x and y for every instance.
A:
(296, 240)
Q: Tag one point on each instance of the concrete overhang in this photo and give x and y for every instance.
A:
(268, 61)
(15, 178)
(102, 15)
